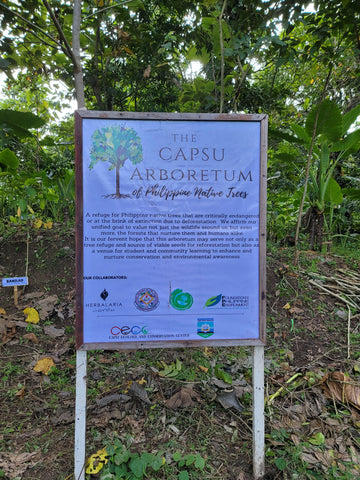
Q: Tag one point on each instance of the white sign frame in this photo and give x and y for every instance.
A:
(244, 152)
(257, 342)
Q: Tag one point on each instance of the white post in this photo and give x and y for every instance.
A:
(80, 414)
(258, 413)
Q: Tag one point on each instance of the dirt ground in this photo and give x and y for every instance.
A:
(312, 332)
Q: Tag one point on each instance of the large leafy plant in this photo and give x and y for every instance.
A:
(328, 138)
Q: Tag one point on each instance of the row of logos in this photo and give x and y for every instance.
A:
(205, 329)
(147, 300)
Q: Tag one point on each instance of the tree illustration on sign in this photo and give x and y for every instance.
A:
(115, 145)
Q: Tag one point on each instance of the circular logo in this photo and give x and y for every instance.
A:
(181, 300)
(146, 299)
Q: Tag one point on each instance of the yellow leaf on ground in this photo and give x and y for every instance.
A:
(96, 462)
(32, 315)
(287, 306)
(203, 369)
(2, 311)
(44, 365)
(37, 223)
(47, 225)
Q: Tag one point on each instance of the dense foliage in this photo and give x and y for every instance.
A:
(288, 59)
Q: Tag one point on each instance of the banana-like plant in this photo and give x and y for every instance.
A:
(334, 142)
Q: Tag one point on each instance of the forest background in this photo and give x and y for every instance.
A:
(298, 62)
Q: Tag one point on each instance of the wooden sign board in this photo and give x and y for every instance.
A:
(171, 218)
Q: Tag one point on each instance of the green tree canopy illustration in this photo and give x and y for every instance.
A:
(115, 145)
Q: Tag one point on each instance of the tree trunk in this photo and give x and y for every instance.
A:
(78, 75)
(320, 227)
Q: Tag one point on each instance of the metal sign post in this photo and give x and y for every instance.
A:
(258, 413)
(80, 414)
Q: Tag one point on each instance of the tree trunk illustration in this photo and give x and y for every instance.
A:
(117, 172)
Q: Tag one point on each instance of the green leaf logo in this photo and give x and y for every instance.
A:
(181, 300)
(213, 301)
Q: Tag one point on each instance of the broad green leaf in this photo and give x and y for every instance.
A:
(8, 159)
(275, 39)
(329, 121)
(199, 462)
(138, 466)
(317, 439)
(22, 204)
(222, 375)
(121, 470)
(352, 193)
(333, 193)
(281, 463)
(184, 475)
(324, 158)
(107, 476)
(177, 456)
(121, 456)
(189, 459)
(201, 56)
(157, 462)
(349, 118)
(301, 133)
(349, 144)
(23, 120)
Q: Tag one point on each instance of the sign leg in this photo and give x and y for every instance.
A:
(258, 413)
(16, 296)
(80, 414)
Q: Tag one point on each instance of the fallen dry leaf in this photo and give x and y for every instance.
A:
(203, 369)
(2, 324)
(15, 464)
(183, 398)
(31, 337)
(338, 386)
(139, 392)
(296, 310)
(21, 393)
(46, 305)
(53, 332)
(229, 400)
(44, 365)
(7, 328)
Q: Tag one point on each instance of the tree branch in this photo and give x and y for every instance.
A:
(78, 75)
(222, 64)
(34, 27)
(70, 53)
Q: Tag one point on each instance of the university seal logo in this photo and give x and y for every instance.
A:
(146, 300)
